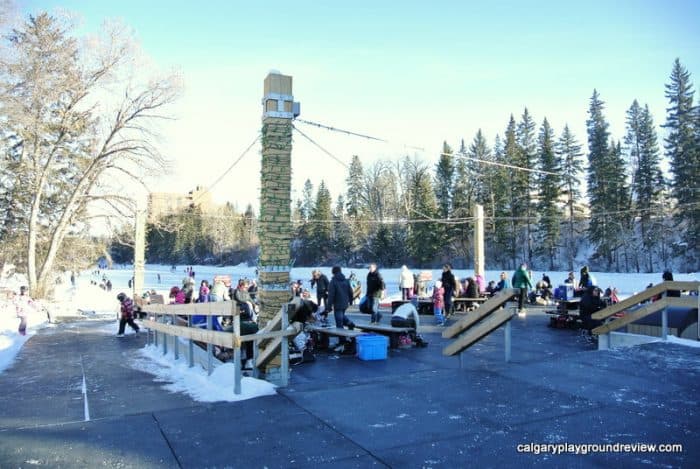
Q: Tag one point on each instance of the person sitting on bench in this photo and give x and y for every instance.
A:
(591, 302)
(406, 315)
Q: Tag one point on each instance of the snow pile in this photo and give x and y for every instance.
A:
(195, 382)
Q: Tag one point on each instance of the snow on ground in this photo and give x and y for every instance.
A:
(87, 301)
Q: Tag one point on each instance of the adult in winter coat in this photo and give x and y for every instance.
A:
(375, 290)
(321, 282)
(503, 282)
(449, 283)
(406, 283)
(521, 279)
(406, 315)
(219, 292)
(590, 303)
(471, 291)
(245, 302)
(339, 298)
(127, 314)
(585, 280)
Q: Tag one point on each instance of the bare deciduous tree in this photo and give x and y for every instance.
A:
(74, 122)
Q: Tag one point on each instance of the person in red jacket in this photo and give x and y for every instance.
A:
(127, 314)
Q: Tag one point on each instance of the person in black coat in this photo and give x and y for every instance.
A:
(321, 282)
(375, 289)
(339, 298)
(591, 302)
(449, 284)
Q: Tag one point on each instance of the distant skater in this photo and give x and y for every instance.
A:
(127, 314)
(23, 303)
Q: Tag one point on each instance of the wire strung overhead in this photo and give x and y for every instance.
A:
(355, 134)
(228, 170)
(320, 147)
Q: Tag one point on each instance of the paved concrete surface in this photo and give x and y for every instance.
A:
(415, 409)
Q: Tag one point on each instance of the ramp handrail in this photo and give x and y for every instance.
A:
(479, 323)
(643, 296)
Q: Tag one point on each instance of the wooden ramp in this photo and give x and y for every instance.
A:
(479, 323)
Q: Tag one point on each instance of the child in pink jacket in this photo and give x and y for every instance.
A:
(439, 302)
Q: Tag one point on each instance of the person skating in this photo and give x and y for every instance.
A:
(521, 280)
(127, 314)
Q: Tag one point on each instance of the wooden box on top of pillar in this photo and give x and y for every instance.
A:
(278, 83)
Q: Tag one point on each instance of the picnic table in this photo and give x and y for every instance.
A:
(566, 316)
(464, 304)
(385, 329)
(322, 334)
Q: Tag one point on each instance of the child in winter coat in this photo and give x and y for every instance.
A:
(127, 314)
(439, 303)
(23, 303)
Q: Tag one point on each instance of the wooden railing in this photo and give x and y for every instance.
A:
(645, 309)
(479, 323)
(167, 320)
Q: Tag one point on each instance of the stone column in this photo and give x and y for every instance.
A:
(275, 227)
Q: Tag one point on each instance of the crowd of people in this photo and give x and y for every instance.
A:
(334, 295)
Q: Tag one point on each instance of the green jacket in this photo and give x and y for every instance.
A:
(521, 279)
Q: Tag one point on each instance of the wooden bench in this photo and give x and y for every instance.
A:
(322, 334)
(384, 329)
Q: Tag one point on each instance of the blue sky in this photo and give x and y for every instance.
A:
(415, 73)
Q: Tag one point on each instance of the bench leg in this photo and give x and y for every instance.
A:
(394, 341)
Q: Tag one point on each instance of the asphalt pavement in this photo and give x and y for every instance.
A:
(415, 409)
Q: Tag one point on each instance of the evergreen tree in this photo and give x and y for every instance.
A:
(549, 184)
(307, 200)
(518, 200)
(648, 184)
(422, 240)
(444, 181)
(343, 246)
(571, 164)
(683, 152)
(321, 228)
(500, 240)
(355, 188)
(525, 185)
(620, 216)
(599, 190)
(460, 234)
(479, 152)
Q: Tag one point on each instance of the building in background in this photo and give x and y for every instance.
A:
(161, 204)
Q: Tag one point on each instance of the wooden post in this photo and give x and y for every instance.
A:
(139, 252)
(236, 348)
(275, 228)
(479, 263)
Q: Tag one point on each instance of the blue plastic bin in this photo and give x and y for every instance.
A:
(372, 347)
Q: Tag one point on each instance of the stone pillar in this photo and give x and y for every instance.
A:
(139, 252)
(275, 226)
(479, 261)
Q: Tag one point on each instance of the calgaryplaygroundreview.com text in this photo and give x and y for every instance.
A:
(587, 448)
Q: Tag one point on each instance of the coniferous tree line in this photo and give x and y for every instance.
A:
(546, 201)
